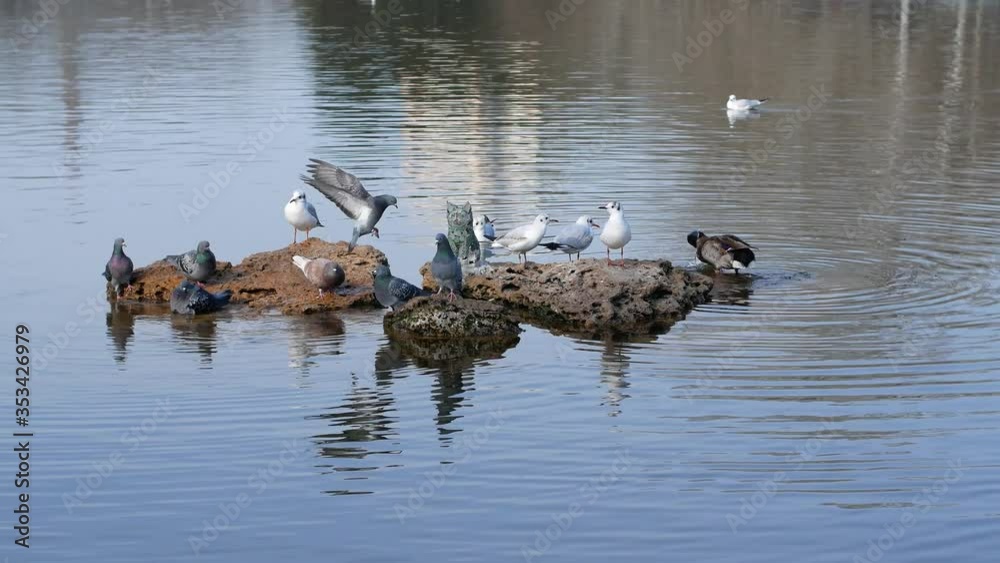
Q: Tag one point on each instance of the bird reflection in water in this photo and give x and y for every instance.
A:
(120, 321)
(313, 336)
(196, 333)
(731, 289)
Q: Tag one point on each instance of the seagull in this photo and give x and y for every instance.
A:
(118, 270)
(301, 215)
(321, 272)
(446, 269)
(346, 191)
(574, 238)
(722, 251)
(483, 227)
(391, 291)
(733, 103)
(196, 265)
(189, 299)
(616, 232)
(524, 238)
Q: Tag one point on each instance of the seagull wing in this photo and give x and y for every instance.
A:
(573, 237)
(341, 187)
(312, 211)
(514, 235)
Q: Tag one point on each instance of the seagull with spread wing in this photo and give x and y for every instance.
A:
(346, 191)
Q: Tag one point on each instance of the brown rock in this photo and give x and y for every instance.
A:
(590, 295)
(269, 280)
(436, 317)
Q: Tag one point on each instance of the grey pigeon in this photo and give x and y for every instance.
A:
(391, 291)
(574, 238)
(722, 251)
(446, 269)
(196, 265)
(190, 299)
(118, 270)
(322, 273)
(347, 192)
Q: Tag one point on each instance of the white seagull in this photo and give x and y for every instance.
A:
(524, 238)
(483, 227)
(616, 232)
(733, 103)
(301, 215)
(575, 238)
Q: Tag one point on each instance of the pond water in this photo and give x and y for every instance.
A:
(839, 402)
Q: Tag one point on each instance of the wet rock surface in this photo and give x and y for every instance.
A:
(435, 317)
(591, 296)
(269, 280)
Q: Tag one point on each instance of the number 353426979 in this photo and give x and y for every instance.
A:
(22, 373)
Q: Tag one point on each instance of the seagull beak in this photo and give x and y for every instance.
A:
(595, 225)
(603, 207)
(553, 220)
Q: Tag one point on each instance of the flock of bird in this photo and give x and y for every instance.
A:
(348, 193)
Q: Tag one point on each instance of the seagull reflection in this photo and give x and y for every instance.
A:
(735, 115)
(312, 336)
(614, 369)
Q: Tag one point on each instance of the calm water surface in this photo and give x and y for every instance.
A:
(794, 418)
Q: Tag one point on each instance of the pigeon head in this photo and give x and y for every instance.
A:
(119, 244)
(440, 239)
(693, 237)
(384, 201)
(203, 246)
(381, 271)
(186, 287)
(297, 196)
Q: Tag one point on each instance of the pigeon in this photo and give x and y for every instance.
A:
(446, 269)
(196, 265)
(524, 238)
(617, 232)
(322, 273)
(735, 104)
(347, 192)
(190, 299)
(722, 251)
(118, 270)
(301, 215)
(483, 227)
(391, 291)
(574, 238)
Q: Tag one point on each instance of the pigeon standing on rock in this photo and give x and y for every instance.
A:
(322, 273)
(118, 270)
(347, 192)
(574, 238)
(189, 299)
(391, 291)
(446, 269)
(196, 265)
(301, 215)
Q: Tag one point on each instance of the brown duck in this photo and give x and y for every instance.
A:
(723, 252)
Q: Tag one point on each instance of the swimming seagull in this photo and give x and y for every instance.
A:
(301, 215)
(446, 269)
(189, 299)
(524, 238)
(617, 232)
(321, 272)
(751, 103)
(197, 265)
(575, 238)
(483, 227)
(722, 251)
(118, 270)
(391, 291)
(346, 191)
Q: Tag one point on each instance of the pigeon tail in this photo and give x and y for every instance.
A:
(301, 262)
